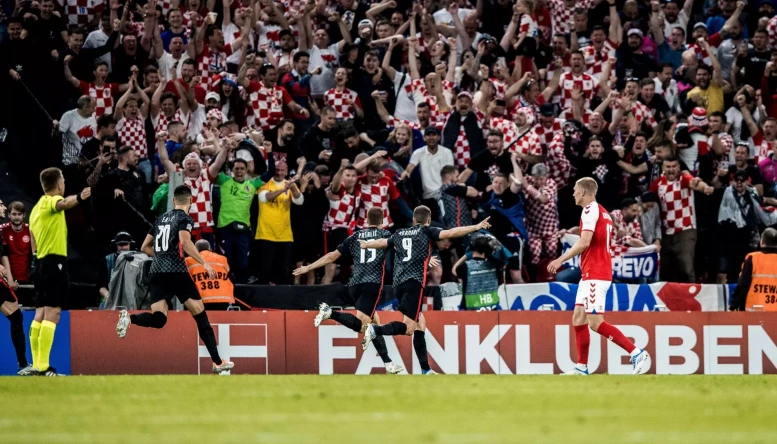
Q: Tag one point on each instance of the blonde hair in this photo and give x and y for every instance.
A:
(530, 5)
(588, 184)
(393, 136)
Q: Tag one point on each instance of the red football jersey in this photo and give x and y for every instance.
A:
(596, 261)
(18, 248)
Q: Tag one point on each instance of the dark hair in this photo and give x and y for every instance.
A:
(670, 159)
(327, 109)
(627, 202)
(348, 132)
(578, 52)
(383, 21)
(481, 245)
(580, 11)
(108, 139)
(323, 170)
(597, 28)
(170, 12)
(15, 20)
(264, 68)
(719, 114)
(374, 167)
(169, 95)
(123, 150)
(641, 134)
(243, 161)
(704, 67)
(105, 121)
(299, 55)
(375, 216)
(423, 105)
(182, 194)
(173, 123)
(496, 133)
(284, 33)
(76, 30)
(210, 31)
(372, 53)
(49, 178)
(98, 64)
(646, 82)
(665, 65)
(422, 214)
(769, 237)
(447, 169)
(17, 206)
(189, 62)
(349, 168)
(761, 31)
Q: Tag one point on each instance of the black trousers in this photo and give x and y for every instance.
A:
(275, 262)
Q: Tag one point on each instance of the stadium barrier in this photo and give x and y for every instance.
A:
(502, 342)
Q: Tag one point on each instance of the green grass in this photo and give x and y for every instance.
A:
(375, 409)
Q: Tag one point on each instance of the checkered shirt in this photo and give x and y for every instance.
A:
(508, 129)
(374, 196)
(161, 121)
(558, 164)
(546, 135)
(641, 113)
(187, 21)
(82, 12)
(762, 147)
(677, 206)
(568, 114)
(596, 59)
(461, 151)
(166, 5)
(343, 102)
(132, 132)
(560, 15)
(140, 27)
(633, 231)
(342, 212)
(394, 122)
(102, 95)
(771, 30)
(267, 106)
(500, 87)
(420, 94)
(209, 63)
(588, 84)
(201, 210)
(541, 218)
(528, 26)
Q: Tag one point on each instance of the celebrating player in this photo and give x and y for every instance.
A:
(9, 306)
(596, 268)
(412, 252)
(366, 283)
(168, 277)
(49, 229)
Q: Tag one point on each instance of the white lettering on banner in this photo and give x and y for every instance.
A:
(564, 349)
(228, 351)
(477, 351)
(665, 350)
(523, 364)
(370, 358)
(633, 267)
(446, 358)
(713, 350)
(615, 354)
(327, 352)
(758, 344)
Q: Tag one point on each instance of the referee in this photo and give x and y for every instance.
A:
(48, 227)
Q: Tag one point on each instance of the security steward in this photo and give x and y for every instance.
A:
(479, 277)
(217, 294)
(758, 280)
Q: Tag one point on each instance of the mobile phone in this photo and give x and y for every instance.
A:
(500, 102)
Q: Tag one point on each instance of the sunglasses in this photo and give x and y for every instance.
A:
(740, 180)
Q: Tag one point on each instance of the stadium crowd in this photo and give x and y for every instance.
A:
(290, 120)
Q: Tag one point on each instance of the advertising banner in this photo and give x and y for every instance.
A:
(631, 263)
(621, 297)
(60, 351)
(254, 341)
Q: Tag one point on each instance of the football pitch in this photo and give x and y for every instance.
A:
(599, 409)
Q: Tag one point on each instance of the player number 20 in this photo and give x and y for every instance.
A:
(371, 252)
(407, 244)
(164, 236)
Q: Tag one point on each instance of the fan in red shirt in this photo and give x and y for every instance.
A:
(18, 246)
(596, 268)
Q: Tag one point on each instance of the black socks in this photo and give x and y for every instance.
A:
(419, 344)
(17, 337)
(380, 346)
(394, 328)
(347, 319)
(153, 320)
(207, 336)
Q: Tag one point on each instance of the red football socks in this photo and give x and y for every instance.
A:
(583, 341)
(614, 334)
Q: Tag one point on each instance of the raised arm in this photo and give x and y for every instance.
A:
(164, 157)
(616, 30)
(463, 231)
(377, 8)
(118, 112)
(68, 74)
(195, 48)
(412, 63)
(386, 65)
(509, 37)
(156, 99)
(327, 259)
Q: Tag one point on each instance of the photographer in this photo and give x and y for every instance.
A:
(479, 275)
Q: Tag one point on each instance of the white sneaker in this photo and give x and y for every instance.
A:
(123, 325)
(26, 371)
(369, 335)
(324, 312)
(576, 371)
(393, 369)
(641, 363)
(223, 368)
(429, 372)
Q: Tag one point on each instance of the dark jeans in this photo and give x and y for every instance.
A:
(235, 246)
(677, 256)
(275, 262)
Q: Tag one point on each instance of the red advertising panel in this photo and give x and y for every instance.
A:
(254, 341)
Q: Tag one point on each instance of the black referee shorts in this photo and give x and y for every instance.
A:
(6, 294)
(52, 283)
(409, 294)
(365, 297)
(163, 286)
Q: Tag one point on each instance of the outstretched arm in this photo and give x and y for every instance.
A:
(328, 258)
(463, 231)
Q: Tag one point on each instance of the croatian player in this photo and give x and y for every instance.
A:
(596, 268)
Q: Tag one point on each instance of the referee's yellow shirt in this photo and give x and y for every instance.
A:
(48, 227)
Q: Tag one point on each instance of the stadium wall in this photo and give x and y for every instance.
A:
(502, 342)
